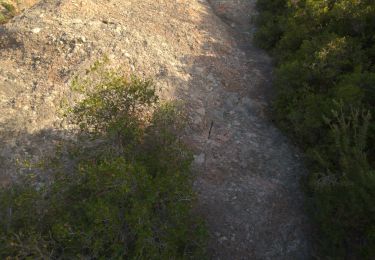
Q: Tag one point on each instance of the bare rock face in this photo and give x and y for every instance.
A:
(199, 52)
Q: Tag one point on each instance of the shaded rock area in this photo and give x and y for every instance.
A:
(199, 52)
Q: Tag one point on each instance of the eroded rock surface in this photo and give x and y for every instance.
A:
(199, 52)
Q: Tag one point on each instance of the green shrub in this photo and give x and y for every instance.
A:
(324, 51)
(2, 18)
(129, 194)
(9, 11)
(270, 29)
(344, 192)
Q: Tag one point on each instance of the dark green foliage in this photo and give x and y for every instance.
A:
(129, 195)
(324, 53)
(343, 195)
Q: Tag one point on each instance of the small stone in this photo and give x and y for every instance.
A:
(222, 239)
(118, 30)
(210, 77)
(200, 159)
(197, 120)
(201, 111)
(36, 30)
(82, 39)
(199, 69)
(77, 21)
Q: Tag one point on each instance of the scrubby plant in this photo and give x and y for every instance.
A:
(7, 13)
(129, 195)
(324, 52)
(344, 193)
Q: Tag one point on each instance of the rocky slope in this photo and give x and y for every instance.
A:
(199, 52)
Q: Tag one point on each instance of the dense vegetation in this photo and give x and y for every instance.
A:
(121, 191)
(325, 79)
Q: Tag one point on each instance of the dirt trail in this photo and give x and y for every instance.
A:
(249, 183)
(200, 53)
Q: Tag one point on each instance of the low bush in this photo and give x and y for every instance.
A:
(128, 195)
(7, 11)
(325, 83)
